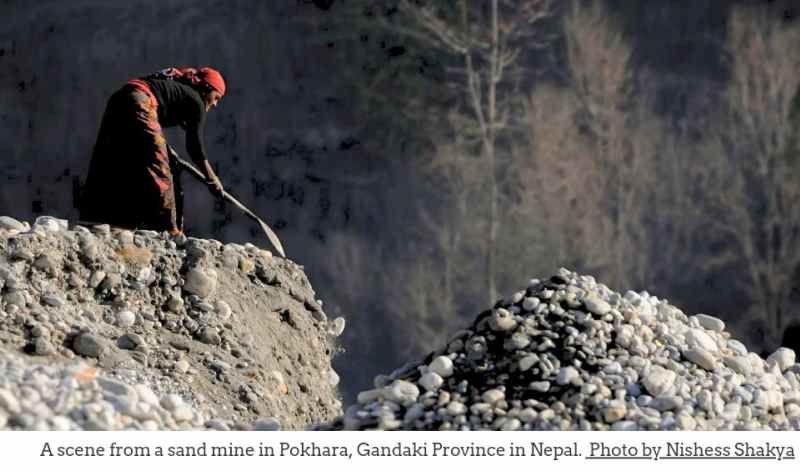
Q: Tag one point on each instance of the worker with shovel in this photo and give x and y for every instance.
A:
(130, 182)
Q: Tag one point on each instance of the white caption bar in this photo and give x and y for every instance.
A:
(119, 451)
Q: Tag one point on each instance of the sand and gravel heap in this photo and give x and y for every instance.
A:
(567, 353)
(105, 329)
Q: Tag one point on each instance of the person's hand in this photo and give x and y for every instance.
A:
(215, 186)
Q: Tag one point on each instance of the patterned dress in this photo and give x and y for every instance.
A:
(130, 182)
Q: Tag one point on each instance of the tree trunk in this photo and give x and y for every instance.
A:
(494, 72)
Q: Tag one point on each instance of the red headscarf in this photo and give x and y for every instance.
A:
(213, 78)
(191, 76)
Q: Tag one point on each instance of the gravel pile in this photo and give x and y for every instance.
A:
(75, 396)
(568, 353)
(114, 329)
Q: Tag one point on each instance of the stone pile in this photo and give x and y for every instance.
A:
(117, 329)
(567, 353)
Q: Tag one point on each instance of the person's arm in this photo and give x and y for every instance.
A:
(196, 149)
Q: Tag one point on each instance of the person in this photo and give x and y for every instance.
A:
(130, 182)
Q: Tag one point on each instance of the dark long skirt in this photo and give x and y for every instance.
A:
(129, 182)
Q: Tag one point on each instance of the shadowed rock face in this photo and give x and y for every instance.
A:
(139, 331)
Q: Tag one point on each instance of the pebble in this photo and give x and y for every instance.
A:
(526, 362)
(171, 402)
(502, 320)
(333, 378)
(8, 402)
(200, 283)
(97, 277)
(130, 341)
(698, 338)
(51, 224)
(710, 322)
(175, 304)
(125, 319)
(210, 336)
(88, 345)
(659, 380)
(431, 381)
(540, 386)
(701, 357)
(442, 366)
(9, 223)
(183, 413)
(223, 310)
(53, 300)
(597, 306)
(338, 326)
(43, 347)
(567, 375)
(739, 364)
(530, 304)
(614, 412)
(783, 357)
(182, 366)
(493, 396)
(267, 425)
(455, 408)
(402, 392)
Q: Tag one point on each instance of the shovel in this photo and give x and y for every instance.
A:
(273, 238)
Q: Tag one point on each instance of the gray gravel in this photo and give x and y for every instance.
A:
(107, 329)
(568, 353)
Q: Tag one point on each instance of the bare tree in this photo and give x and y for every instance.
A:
(485, 39)
(560, 175)
(758, 189)
(600, 75)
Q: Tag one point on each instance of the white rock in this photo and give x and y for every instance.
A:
(596, 305)
(701, 357)
(223, 310)
(431, 381)
(146, 394)
(442, 366)
(370, 395)
(51, 224)
(333, 378)
(175, 303)
(502, 320)
(493, 396)
(783, 357)
(530, 303)
(710, 322)
(125, 318)
(658, 380)
(183, 413)
(338, 326)
(9, 223)
(567, 375)
(8, 402)
(97, 277)
(171, 402)
(738, 364)
(698, 338)
(402, 392)
(455, 408)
